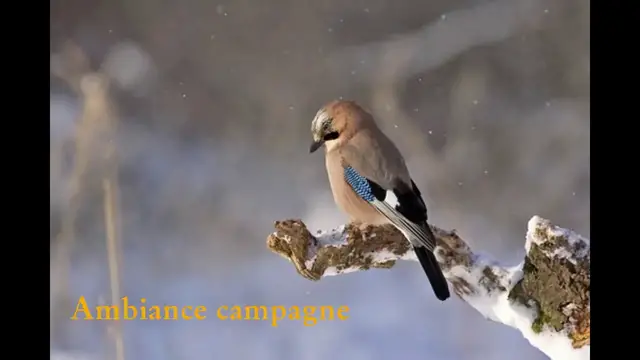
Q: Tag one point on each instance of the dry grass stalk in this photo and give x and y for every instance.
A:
(66, 238)
(98, 121)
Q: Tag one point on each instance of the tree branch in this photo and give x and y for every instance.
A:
(546, 297)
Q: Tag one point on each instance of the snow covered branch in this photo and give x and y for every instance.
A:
(546, 297)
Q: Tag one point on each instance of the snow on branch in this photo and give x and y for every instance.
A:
(546, 297)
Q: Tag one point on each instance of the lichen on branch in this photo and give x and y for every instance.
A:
(548, 291)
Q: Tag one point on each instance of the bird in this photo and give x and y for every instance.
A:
(366, 172)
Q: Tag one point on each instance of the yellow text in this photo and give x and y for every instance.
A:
(309, 315)
(128, 311)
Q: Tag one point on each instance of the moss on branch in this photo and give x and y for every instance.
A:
(555, 273)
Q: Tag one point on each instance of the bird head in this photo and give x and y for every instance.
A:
(334, 122)
(322, 129)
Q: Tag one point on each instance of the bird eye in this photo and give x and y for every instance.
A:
(331, 136)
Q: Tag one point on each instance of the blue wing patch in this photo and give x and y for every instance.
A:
(359, 184)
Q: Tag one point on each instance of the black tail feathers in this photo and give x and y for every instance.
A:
(434, 273)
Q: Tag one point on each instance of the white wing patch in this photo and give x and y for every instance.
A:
(391, 199)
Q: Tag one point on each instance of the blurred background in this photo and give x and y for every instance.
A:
(180, 133)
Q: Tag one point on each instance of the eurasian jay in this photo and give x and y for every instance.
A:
(366, 171)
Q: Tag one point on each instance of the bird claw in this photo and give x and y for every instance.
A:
(358, 224)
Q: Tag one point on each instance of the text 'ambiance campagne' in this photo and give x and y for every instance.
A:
(309, 315)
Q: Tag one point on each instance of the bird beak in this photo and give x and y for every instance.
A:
(316, 145)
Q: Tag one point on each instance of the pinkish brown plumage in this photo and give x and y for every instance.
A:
(365, 169)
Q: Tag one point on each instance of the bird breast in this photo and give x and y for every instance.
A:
(346, 199)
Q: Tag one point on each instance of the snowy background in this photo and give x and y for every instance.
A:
(489, 100)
